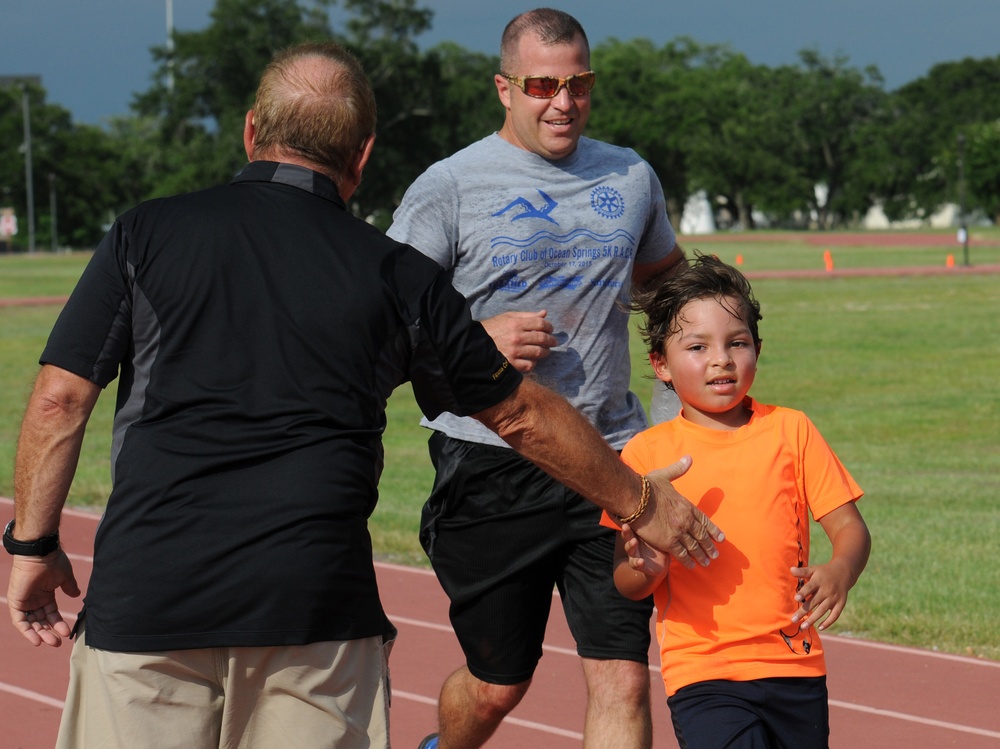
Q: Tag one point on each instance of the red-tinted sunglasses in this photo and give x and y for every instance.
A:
(547, 86)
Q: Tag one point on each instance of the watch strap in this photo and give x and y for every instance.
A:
(40, 547)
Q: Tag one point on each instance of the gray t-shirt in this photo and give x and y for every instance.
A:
(521, 233)
(665, 404)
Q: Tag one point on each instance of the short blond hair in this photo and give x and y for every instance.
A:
(321, 112)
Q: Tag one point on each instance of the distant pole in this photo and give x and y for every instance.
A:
(29, 181)
(52, 210)
(170, 46)
(963, 230)
(6, 202)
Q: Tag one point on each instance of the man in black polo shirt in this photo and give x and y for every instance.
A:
(258, 329)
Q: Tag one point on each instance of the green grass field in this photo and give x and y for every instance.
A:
(897, 372)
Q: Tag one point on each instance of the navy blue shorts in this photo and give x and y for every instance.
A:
(500, 534)
(781, 713)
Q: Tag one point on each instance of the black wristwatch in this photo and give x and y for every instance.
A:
(38, 548)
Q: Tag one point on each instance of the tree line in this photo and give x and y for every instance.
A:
(757, 139)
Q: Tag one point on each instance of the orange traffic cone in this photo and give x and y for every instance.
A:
(828, 260)
(950, 261)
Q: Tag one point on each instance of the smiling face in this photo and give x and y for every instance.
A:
(552, 127)
(711, 361)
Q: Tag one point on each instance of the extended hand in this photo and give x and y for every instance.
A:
(523, 337)
(32, 600)
(674, 525)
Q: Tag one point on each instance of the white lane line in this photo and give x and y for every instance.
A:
(841, 639)
(29, 695)
(915, 719)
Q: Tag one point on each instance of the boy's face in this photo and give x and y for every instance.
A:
(711, 362)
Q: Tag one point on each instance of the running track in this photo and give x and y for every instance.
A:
(881, 696)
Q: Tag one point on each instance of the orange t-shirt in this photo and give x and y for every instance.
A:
(758, 484)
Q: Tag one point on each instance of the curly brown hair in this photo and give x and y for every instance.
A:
(706, 277)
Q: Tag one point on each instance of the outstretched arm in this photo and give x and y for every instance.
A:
(823, 595)
(47, 453)
(544, 428)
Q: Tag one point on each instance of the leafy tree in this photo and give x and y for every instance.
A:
(215, 74)
(76, 162)
(925, 120)
(755, 138)
(464, 102)
(982, 167)
(828, 106)
(735, 135)
(380, 33)
(12, 177)
(204, 89)
(637, 103)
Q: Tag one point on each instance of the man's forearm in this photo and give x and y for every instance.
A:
(48, 449)
(548, 431)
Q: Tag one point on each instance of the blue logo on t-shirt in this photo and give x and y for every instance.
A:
(607, 202)
(529, 211)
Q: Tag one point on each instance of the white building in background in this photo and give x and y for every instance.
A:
(946, 218)
(698, 217)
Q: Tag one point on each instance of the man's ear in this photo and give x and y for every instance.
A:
(503, 90)
(355, 169)
(249, 135)
(660, 368)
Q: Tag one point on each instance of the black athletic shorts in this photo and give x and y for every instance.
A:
(780, 713)
(500, 533)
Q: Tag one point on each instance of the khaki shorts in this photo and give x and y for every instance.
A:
(327, 694)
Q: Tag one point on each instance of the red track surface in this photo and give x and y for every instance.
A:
(881, 696)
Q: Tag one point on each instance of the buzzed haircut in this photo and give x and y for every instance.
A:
(322, 112)
(549, 25)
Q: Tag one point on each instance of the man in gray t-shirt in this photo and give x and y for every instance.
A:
(544, 232)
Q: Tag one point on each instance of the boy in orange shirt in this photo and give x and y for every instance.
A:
(741, 657)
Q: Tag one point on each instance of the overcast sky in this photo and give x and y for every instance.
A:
(93, 55)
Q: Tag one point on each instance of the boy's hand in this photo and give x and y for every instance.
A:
(823, 594)
(641, 556)
(823, 589)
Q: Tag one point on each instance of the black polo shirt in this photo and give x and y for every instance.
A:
(259, 329)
